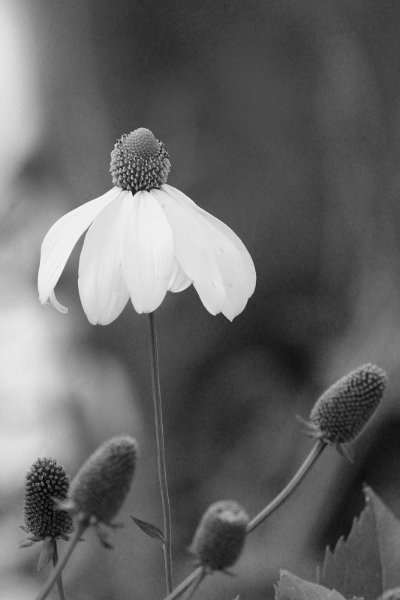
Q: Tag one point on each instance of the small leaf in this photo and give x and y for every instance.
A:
(149, 529)
(26, 543)
(291, 587)
(46, 553)
(367, 562)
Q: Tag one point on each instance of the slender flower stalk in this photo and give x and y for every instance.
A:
(56, 574)
(60, 586)
(315, 452)
(161, 461)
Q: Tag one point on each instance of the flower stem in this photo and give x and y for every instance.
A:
(59, 578)
(61, 563)
(315, 452)
(161, 462)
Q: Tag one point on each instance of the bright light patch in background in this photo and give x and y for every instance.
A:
(20, 112)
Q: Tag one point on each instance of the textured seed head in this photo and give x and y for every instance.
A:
(219, 538)
(341, 413)
(45, 481)
(99, 488)
(139, 161)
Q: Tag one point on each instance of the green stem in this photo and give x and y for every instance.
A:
(161, 462)
(59, 578)
(195, 585)
(315, 452)
(61, 563)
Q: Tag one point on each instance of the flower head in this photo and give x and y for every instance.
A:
(100, 487)
(46, 482)
(344, 409)
(220, 535)
(146, 238)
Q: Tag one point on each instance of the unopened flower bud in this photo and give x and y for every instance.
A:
(46, 481)
(139, 161)
(99, 488)
(219, 538)
(341, 413)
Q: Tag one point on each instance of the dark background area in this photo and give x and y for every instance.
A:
(282, 119)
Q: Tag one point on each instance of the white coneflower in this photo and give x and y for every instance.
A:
(146, 238)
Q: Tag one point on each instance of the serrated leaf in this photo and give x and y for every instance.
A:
(291, 587)
(367, 562)
(150, 529)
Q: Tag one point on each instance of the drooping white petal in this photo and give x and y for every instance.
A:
(147, 252)
(234, 261)
(194, 250)
(60, 241)
(54, 302)
(179, 281)
(250, 271)
(101, 283)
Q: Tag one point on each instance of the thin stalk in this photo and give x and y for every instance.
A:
(161, 462)
(196, 585)
(54, 576)
(315, 452)
(60, 586)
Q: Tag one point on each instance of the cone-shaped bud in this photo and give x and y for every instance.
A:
(341, 413)
(219, 538)
(139, 161)
(99, 488)
(46, 480)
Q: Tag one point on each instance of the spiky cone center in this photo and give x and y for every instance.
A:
(220, 535)
(342, 412)
(99, 488)
(46, 480)
(139, 162)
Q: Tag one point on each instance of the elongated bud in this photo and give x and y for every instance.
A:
(46, 480)
(342, 412)
(219, 538)
(99, 488)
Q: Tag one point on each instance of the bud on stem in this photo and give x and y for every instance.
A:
(220, 536)
(342, 412)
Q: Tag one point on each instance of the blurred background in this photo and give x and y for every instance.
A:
(282, 118)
